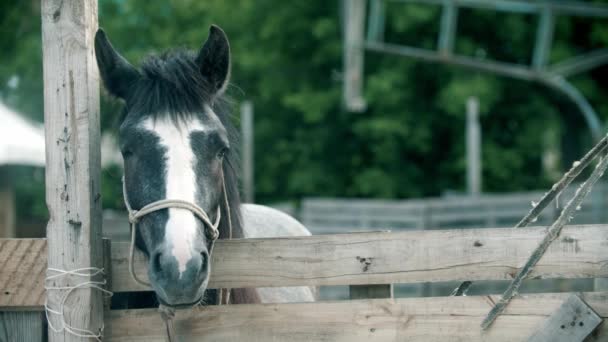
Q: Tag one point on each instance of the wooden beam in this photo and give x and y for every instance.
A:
(7, 213)
(406, 257)
(573, 321)
(404, 319)
(71, 116)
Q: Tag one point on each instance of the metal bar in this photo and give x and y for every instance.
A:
(497, 5)
(544, 38)
(506, 69)
(517, 6)
(376, 20)
(447, 32)
(580, 63)
(247, 134)
(561, 84)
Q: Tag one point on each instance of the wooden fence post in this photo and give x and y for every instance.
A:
(248, 151)
(473, 133)
(7, 212)
(71, 116)
(354, 24)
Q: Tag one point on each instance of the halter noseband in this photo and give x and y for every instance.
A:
(135, 215)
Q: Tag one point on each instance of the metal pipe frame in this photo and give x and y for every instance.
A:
(553, 76)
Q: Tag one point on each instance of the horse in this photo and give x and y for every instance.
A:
(176, 139)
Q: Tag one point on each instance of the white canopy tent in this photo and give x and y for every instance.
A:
(21, 140)
(21, 143)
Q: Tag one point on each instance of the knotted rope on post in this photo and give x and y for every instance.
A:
(85, 272)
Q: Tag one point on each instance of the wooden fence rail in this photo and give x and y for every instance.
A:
(340, 215)
(411, 319)
(344, 259)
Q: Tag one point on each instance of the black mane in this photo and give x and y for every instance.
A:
(171, 84)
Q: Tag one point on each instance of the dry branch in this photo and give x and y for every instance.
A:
(568, 177)
(557, 188)
(551, 235)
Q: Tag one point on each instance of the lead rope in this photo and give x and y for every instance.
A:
(226, 295)
(167, 313)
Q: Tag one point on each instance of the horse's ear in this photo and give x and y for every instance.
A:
(117, 73)
(214, 60)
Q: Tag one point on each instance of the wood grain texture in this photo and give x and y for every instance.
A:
(7, 212)
(22, 272)
(346, 259)
(573, 321)
(71, 116)
(22, 327)
(411, 319)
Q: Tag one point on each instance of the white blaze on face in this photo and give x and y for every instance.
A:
(181, 228)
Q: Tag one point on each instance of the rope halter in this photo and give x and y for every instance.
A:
(135, 215)
(167, 313)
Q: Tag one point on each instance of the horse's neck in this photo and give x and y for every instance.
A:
(244, 296)
(235, 229)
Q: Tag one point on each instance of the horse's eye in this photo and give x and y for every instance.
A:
(222, 153)
(126, 153)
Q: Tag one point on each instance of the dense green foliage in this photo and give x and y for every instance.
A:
(287, 59)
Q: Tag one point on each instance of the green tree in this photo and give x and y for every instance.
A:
(287, 59)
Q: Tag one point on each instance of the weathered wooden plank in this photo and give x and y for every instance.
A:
(408, 257)
(22, 272)
(573, 321)
(71, 117)
(23, 326)
(404, 257)
(411, 319)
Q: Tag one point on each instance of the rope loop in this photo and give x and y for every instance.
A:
(85, 272)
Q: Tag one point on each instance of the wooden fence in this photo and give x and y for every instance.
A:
(369, 262)
(345, 259)
(339, 215)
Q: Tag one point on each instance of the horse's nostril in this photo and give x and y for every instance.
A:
(156, 262)
(204, 261)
